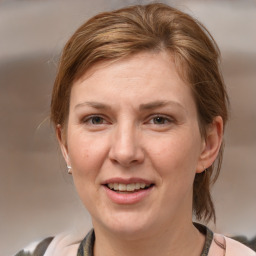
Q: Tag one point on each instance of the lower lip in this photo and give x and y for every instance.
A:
(127, 198)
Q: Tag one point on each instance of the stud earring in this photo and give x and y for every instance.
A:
(69, 169)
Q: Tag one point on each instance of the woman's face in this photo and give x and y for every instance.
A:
(134, 144)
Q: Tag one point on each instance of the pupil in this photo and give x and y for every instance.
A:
(97, 120)
(159, 120)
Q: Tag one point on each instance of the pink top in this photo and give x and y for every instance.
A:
(66, 244)
(224, 246)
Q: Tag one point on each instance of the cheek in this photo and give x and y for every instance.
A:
(86, 153)
(177, 149)
(176, 155)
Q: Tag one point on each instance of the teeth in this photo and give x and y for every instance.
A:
(143, 185)
(137, 185)
(130, 187)
(122, 187)
(127, 187)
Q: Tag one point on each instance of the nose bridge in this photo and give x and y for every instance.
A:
(125, 148)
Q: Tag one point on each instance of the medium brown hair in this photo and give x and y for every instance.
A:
(111, 36)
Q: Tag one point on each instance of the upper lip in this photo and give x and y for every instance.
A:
(127, 181)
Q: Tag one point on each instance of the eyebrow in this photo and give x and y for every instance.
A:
(146, 106)
(93, 104)
(158, 104)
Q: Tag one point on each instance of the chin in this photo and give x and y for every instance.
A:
(131, 232)
(130, 226)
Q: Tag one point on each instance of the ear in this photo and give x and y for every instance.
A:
(62, 142)
(211, 144)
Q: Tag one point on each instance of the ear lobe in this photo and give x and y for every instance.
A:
(211, 144)
(62, 143)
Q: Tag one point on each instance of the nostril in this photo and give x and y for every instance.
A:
(122, 163)
(126, 157)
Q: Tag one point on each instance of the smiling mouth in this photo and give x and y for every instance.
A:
(128, 188)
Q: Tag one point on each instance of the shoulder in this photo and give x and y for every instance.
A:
(36, 248)
(225, 246)
(63, 244)
(234, 248)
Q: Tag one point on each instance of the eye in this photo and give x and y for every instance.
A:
(160, 120)
(95, 120)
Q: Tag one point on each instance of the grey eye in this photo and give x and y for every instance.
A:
(97, 120)
(159, 120)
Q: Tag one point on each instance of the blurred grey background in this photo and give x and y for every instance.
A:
(37, 197)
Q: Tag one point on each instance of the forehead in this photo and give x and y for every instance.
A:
(139, 78)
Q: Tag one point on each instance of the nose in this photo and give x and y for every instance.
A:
(126, 148)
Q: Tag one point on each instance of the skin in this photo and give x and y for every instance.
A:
(137, 118)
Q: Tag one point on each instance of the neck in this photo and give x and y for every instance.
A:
(177, 240)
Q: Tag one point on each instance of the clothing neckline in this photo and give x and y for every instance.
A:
(86, 246)
(208, 237)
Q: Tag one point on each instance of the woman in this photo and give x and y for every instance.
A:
(140, 107)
